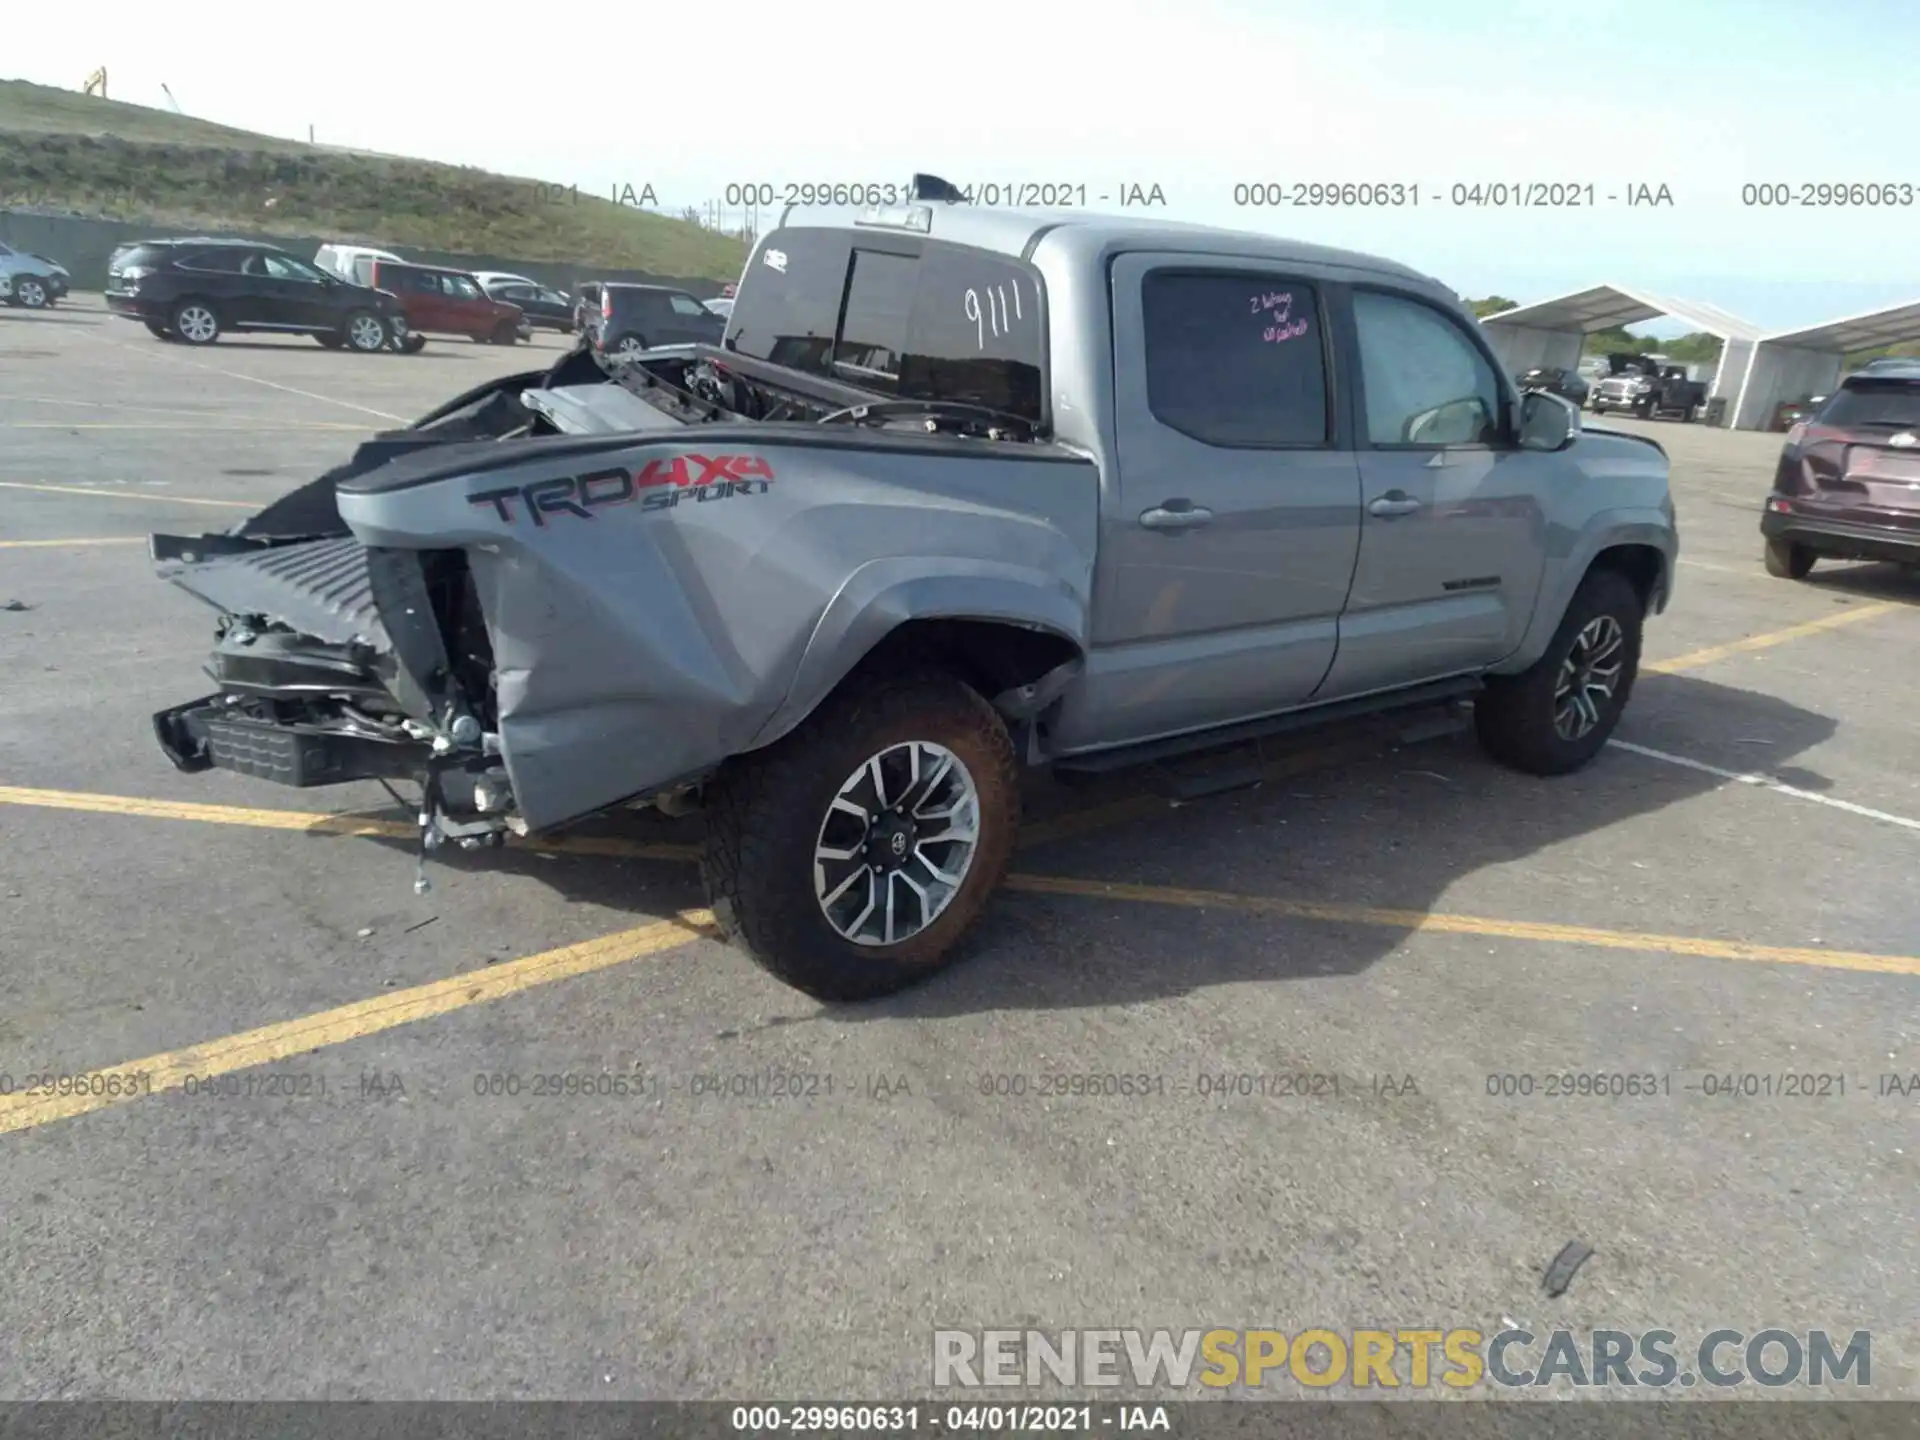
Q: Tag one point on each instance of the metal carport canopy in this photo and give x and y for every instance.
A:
(1895, 325)
(1788, 364)
(1604, 306)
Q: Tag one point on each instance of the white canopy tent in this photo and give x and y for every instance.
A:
(1795, 364)
(1552, 332)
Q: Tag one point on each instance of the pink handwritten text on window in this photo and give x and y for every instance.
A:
(1276, 306)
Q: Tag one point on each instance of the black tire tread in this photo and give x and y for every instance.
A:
(1513, 716)
(1787, 561)
(764, 803)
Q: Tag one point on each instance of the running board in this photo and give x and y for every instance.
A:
(1438, 692)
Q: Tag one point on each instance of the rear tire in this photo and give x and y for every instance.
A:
(627, 346)
(1788, 561)
(195, 322)
(1555, 716)
(790, 868)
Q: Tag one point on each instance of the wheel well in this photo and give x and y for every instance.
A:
(990, 655)
(1641, 564)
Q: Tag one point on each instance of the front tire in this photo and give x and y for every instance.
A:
(506, 333)
(365, 332)
(31, 293)
(1788, 561)
(849, 858)
(196, 322)
(1555, 716)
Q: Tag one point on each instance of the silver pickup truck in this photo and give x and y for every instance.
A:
(960, 491)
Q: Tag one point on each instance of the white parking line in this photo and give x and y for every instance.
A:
(1767, 782)
(250, 379)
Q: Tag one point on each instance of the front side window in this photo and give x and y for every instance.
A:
(687, 305)
(1425, 382)
(1236, 359)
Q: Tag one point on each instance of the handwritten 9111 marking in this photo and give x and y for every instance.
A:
(660, 485)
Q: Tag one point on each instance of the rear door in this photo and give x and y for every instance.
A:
(690, 322)
(1452, 541)
(1228, 542)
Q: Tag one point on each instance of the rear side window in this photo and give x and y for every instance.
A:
(1874, 405)
(147, 255)
(1236, 359)
(899, 315)
(224, 262)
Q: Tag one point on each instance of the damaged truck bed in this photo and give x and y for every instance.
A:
(960, 491)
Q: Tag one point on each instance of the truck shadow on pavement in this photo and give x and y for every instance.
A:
(1869, 582)
(1392, 831)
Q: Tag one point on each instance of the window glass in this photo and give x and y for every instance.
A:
(1235, 359)
(687, 305)
(1426, 383)
(225, 262)
(461, 288)
(282, 267)
(1892, 405)
(879, 309)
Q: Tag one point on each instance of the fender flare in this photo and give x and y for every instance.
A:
(884, 594)
(1637, 525)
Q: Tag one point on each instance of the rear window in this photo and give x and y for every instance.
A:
(147, 255)
(899, 315)
(1874, 404)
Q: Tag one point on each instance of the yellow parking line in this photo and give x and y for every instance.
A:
(1433, 923)
(1331, 914)
(117, 1084)
(1694, 659)
(89, 540)
(130, 495)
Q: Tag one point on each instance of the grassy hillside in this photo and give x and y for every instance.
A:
(106, 158)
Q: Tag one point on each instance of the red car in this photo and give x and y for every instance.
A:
(449, 302)
(1848, 483)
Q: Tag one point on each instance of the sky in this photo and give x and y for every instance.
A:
(1198, 98)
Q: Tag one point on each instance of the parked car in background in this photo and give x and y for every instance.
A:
(196, 290)
(632, 318)
(1567, 384)
(545, 308)
(721, 305)
(1649, 386)
(351, 262)
(1789, 413)
(1847, 486)
(438, 301)
(489, 278)
(34, 282)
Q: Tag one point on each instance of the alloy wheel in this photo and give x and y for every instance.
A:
(366, 333)
(197, 323)
(897, 843)
(30, 292)
(1589, 677)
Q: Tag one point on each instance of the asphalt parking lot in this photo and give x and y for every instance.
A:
(345, 1211)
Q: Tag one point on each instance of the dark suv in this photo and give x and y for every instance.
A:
(631, 318)
(1848, 482)
(196, 290)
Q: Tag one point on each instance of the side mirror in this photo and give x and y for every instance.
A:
(1547, 422)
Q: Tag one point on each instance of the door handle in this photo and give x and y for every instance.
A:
(1176, 515)
(1394, 502)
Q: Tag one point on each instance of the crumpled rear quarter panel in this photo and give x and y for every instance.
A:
(635, 648)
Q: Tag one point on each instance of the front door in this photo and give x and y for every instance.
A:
(291, 295)
(1452, 529)
(1231, 511)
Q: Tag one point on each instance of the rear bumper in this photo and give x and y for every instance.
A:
(1843, 539)
(132, 307)
(213, 733)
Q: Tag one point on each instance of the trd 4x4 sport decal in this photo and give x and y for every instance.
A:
(662, 484)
